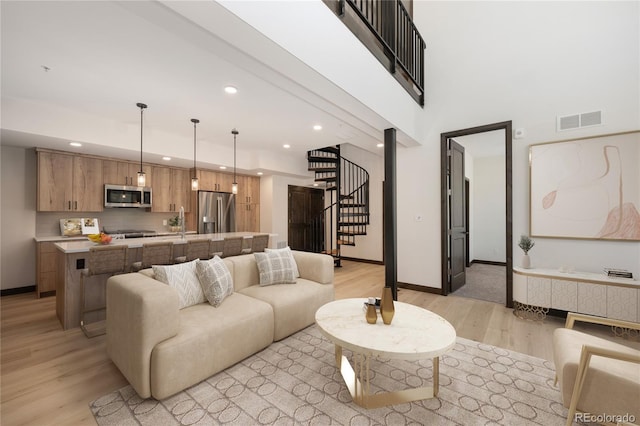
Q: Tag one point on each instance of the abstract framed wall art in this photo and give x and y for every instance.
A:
(586, 188)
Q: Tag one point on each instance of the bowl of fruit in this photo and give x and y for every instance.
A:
(100, 238)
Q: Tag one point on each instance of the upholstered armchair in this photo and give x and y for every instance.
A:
(597, 377)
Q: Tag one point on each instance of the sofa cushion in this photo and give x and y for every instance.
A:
(619, 380)
(275, 268)
(289, 253)
(294, 306)
(210, 340)
(215, 279)
(184, 279)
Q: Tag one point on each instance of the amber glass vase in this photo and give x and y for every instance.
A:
(386, 305)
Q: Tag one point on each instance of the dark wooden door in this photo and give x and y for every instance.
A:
(457, 216)
(305, 205)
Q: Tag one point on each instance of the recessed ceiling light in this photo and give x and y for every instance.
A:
(286, 146)
(317, 127)
(166, 158)
(223, 167)
(260, 173)
(75, 144)
(231, 90)
(316, 184)
(380, 145)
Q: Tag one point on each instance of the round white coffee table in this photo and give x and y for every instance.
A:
(414, 333)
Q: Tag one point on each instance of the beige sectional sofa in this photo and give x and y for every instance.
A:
(162, 349)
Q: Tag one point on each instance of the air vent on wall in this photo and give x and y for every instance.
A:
(576, 121)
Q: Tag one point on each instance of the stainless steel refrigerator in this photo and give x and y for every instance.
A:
(216, 212)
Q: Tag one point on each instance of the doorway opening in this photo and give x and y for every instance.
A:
(454, 213)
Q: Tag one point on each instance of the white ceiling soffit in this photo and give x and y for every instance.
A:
(103, 57)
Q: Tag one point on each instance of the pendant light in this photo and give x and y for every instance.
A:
(194, 179)
(234, 186)
(141, 177)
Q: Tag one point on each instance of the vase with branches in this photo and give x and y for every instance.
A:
(526, 244)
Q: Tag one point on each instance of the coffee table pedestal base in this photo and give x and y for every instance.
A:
(357, 381)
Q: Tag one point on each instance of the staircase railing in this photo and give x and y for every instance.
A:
(346, 214)
(391, 24)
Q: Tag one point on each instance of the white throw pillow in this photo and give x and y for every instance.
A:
(275, 268)
(183, 278)
(287, 250)
(215, 279)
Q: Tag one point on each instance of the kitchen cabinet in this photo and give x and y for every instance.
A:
(248, 190)
(124, 172)
(46, 269)
(171, 189)
(247, 217)
(248, 204)
(69, 182)
(209, 180)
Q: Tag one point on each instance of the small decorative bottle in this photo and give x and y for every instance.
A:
(372, 315)
(386, 306)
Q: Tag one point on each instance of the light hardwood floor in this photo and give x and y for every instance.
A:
(49, 376)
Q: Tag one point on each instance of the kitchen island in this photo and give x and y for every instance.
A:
(72, 259)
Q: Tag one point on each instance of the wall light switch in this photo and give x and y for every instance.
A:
(418, 218)
(164, 222)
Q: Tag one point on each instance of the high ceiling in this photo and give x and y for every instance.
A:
(95, 60)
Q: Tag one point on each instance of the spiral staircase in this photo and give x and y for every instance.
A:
(346, 213)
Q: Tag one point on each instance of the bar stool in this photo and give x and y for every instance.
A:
(232, 246)
(156, 253)
(216, 247)
(258, 243)
(102, 260)
(196, 249)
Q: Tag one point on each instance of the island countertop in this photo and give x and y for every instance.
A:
(82, 246)
(72, 259)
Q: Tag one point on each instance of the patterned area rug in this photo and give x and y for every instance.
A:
(295, 382)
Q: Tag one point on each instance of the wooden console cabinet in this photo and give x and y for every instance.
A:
(538, 290)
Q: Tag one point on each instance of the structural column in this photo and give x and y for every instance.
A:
(390, 214)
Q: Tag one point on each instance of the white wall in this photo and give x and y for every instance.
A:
(368, 247)
(274, 212)
(18, 217)
(488, 231)
(527, 62)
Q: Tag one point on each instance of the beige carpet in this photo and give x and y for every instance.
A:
(295, 382)
(485, 282)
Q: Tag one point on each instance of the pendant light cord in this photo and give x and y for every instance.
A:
(235, 133)
(195, 121)
(142, 107)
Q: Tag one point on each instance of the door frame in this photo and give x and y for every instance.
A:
(444, 202)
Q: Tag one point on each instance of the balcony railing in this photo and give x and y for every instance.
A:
(402, 45)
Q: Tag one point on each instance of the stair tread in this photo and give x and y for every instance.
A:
(322, 169)
(322, 159)
(352, 233)
(331, 149)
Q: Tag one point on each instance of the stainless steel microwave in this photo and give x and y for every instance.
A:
(127, 196)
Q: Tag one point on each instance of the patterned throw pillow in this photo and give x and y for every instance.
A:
(215, 279)
(275, 268)
(183, 278)
(287, 250)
